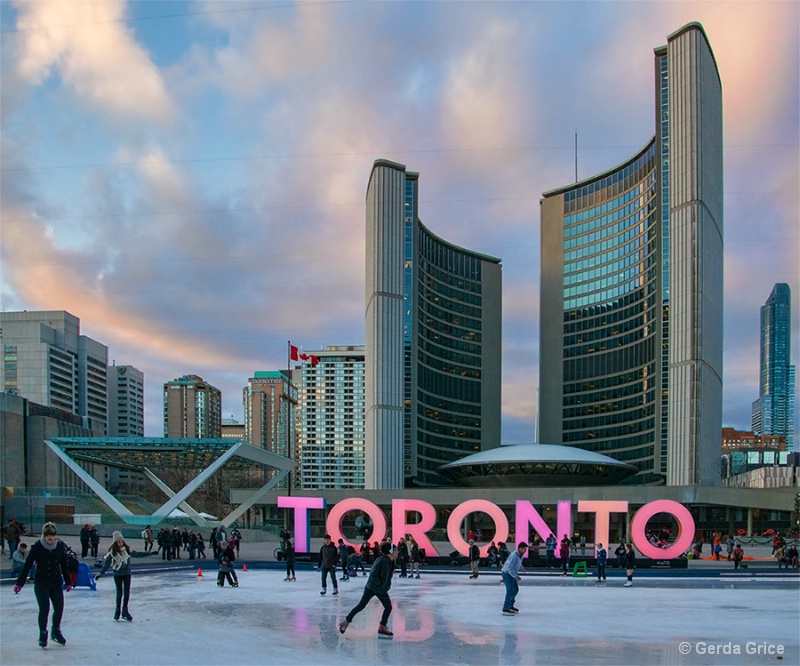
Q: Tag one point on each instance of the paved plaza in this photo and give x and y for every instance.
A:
(180, 618)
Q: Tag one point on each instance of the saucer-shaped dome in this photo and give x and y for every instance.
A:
(536, 465)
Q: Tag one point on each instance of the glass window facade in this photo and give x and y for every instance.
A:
(611, 318)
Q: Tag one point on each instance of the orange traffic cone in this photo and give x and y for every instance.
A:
(245, 568)
(199, 573)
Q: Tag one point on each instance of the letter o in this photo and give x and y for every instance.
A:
(685, 529)
(471, 506)
(336, 515)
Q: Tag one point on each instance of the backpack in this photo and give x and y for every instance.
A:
(144, 535)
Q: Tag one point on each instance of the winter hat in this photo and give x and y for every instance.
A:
(116, 536)
(386, 548)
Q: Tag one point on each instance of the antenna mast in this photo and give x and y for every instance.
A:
(576, 154)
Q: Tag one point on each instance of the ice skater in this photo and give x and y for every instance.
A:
(52, 571)
(289, 552)
(511, 576)
(118, 559)
(328, 556)
(378, 584)
(630, 564)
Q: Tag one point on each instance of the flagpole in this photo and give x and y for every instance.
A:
(288, 415)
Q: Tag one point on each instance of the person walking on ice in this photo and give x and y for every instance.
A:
(49, 554)
(511, 576)
(118, 558)
(378, 584)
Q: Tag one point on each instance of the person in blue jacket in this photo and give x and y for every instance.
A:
(52, 571)
(511, 576)
(378, 584)
(118, 558)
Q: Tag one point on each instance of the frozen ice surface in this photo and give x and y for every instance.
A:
(438, 619)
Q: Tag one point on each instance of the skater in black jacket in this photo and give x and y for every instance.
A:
(378, 584)
(50, 557)
(328, 557)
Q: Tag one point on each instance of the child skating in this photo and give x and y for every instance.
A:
(118, 559)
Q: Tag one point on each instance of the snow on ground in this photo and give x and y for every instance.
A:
(180, 618)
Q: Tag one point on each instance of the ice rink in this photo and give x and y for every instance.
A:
(180, 618)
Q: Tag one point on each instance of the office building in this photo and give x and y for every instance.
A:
(270, 405)
(631, 288)
(433, 337)
(773, 412)
(192, 409)
(125, 401)
(331, 428)
(47, 361)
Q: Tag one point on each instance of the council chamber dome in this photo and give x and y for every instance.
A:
(522, 465)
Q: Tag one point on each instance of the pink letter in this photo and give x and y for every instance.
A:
(685, 529)
(302, 521)
(337, 514)
(528, 516)
(400, 507)
(471, 506)
(602, 510)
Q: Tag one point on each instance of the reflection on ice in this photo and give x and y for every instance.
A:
(439, 619)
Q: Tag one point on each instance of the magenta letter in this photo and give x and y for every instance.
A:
(471, 506)
(400, 507)
(602, 510)
(302, 521)
(337, 513)
(685, 529)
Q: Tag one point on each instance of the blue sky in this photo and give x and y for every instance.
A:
(188, 178)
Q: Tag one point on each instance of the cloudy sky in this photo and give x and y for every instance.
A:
(188, 178)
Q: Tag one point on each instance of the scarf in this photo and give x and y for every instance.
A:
(118, 560)
(47, 545)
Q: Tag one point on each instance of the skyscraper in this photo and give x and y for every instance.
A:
(125, 401)
(48, 361)
(270, 403)
(331, 430)
(773, 412)
(631, 289)
(192, 408)
(433, 336)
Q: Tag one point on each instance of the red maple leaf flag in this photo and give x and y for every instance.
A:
(296, 355)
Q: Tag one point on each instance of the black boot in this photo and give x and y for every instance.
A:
(57, 636)
(43, 638)
(126, 615)
(116, 614)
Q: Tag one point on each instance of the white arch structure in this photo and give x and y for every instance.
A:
(108, 450)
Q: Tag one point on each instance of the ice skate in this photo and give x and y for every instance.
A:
(43, 639)
(383, 632)
(116, 614)
(324, 592)
(57, 636)
(343, 626)
(335, 591)
(628, 584)
(509, 613)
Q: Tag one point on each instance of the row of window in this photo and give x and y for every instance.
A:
(597, 269)
(571, 226)
(610, 313)
(599, 191)
(644, 405)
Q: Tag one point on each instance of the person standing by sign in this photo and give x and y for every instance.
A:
(602, 558)
(511, 577)
(563, 553)
(630, 564)
(474, 558)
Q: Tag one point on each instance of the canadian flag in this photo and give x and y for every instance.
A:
(296, 355)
